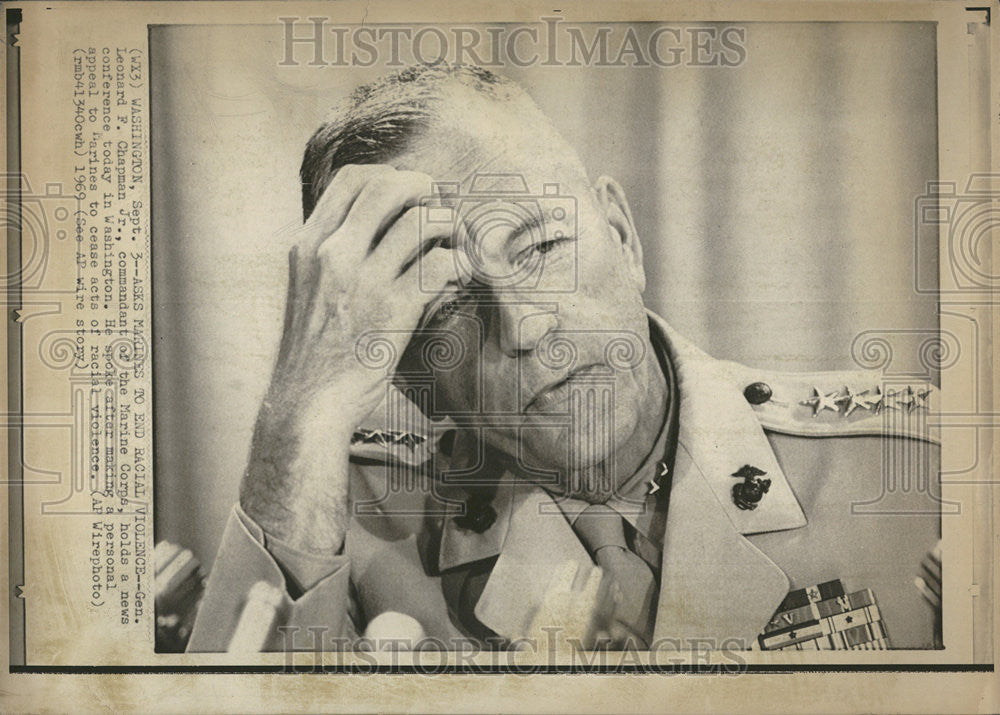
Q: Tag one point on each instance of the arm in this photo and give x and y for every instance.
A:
(353, 270)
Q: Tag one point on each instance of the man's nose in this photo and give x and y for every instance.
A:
(522, 325)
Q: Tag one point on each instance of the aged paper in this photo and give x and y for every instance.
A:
(340, 334)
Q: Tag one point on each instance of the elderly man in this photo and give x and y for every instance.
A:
(471, 404)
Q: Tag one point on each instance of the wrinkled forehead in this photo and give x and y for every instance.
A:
(478, 144)
(503, 186)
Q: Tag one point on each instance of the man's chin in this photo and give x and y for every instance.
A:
(556, 461)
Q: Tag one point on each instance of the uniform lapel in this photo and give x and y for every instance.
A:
(717, 588)
(721, 432)
(538, 540)
(715, 584)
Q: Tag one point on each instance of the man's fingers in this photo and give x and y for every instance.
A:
(927, 592)
(406, 242)
(932, 569)
(327, 216)
(340, 195)
(382, 201)
(366, 197)
(591, 587)
(431, 278)
(562, 582)
(437, 270)
(331, 211)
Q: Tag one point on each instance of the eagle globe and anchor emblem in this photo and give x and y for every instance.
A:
(748, 493)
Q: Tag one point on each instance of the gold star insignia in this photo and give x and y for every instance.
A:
(889, 400)
(820, 401)
(920, 399)
(877, 399)
(905, 398)
(854, 401)
(870, 400)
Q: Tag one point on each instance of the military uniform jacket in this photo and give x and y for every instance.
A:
(853, 497)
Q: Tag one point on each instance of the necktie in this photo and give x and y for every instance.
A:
(602, 531)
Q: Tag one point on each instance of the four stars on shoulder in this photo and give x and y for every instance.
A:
(874, 400)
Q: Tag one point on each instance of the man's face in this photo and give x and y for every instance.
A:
(544, 347)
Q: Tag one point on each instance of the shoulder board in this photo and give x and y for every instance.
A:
(397, 432)
(390, 446)
(840, 403)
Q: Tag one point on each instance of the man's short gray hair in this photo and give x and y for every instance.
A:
(378, 120)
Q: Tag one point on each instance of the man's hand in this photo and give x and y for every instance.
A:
(353, 270)
(574, 611)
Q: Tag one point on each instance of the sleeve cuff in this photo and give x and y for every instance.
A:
(241, 561)
(303, 570)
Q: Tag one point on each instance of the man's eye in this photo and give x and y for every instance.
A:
(443, 310)
(541, 248)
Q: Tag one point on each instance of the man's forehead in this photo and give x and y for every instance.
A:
(484, 169)
(479, 148)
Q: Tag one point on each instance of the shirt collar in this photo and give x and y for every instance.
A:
(715, 425)
(640, 495)
(635, 502)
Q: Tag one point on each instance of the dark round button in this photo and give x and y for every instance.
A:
(479, 516)
(757, 393)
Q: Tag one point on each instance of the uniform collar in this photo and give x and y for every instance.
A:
(718, 429)
(639, 497)
(721, 432)
(705, 550)
(460, 546)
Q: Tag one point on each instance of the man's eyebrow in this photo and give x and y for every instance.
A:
(526, 225)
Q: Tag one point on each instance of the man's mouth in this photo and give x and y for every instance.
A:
(554, 397)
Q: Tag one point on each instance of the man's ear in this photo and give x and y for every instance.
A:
(612, 198)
